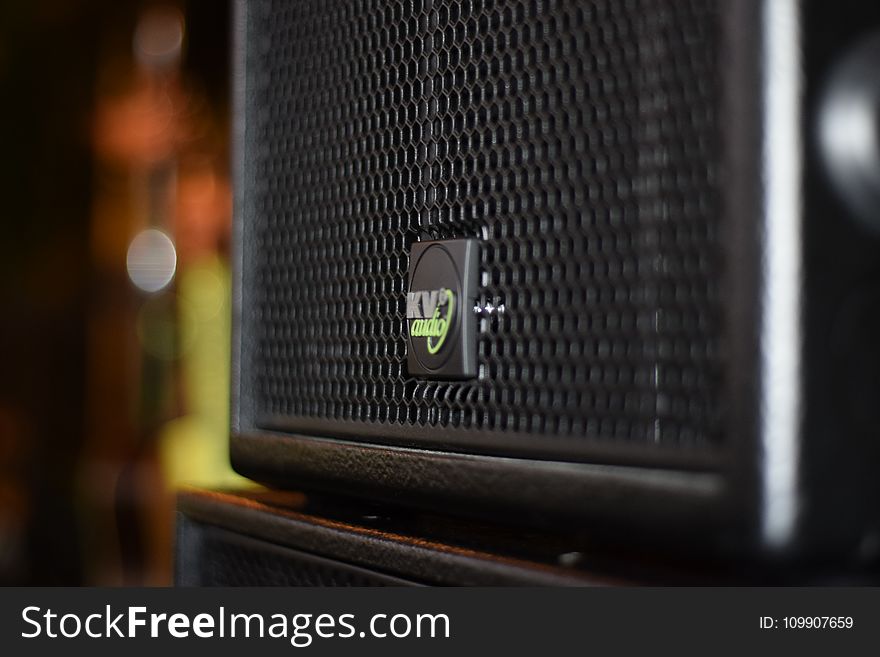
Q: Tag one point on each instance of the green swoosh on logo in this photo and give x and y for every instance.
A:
(434, 347)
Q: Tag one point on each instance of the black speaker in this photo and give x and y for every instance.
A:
(580, 263)
(272, 538)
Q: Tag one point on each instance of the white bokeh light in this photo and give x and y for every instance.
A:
(151, 260)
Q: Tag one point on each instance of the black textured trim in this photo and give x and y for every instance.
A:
(416, 559)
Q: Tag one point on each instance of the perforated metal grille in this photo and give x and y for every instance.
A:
(229, 559)
(577, 140)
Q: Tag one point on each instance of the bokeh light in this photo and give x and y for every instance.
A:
(151, 261)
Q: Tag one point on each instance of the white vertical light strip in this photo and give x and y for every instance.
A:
(781, 328)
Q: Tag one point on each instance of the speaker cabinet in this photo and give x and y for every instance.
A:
(254, 538)
(577, 263)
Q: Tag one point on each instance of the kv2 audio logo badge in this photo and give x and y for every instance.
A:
(441, 340)
(430, 314)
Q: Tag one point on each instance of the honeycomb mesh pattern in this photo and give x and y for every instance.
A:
(577, 140)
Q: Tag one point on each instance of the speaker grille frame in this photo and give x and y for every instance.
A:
(285, 531)
(210, 555)
(561, 374)
(643, 488)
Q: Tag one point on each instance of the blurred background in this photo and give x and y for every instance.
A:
(114, 282)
